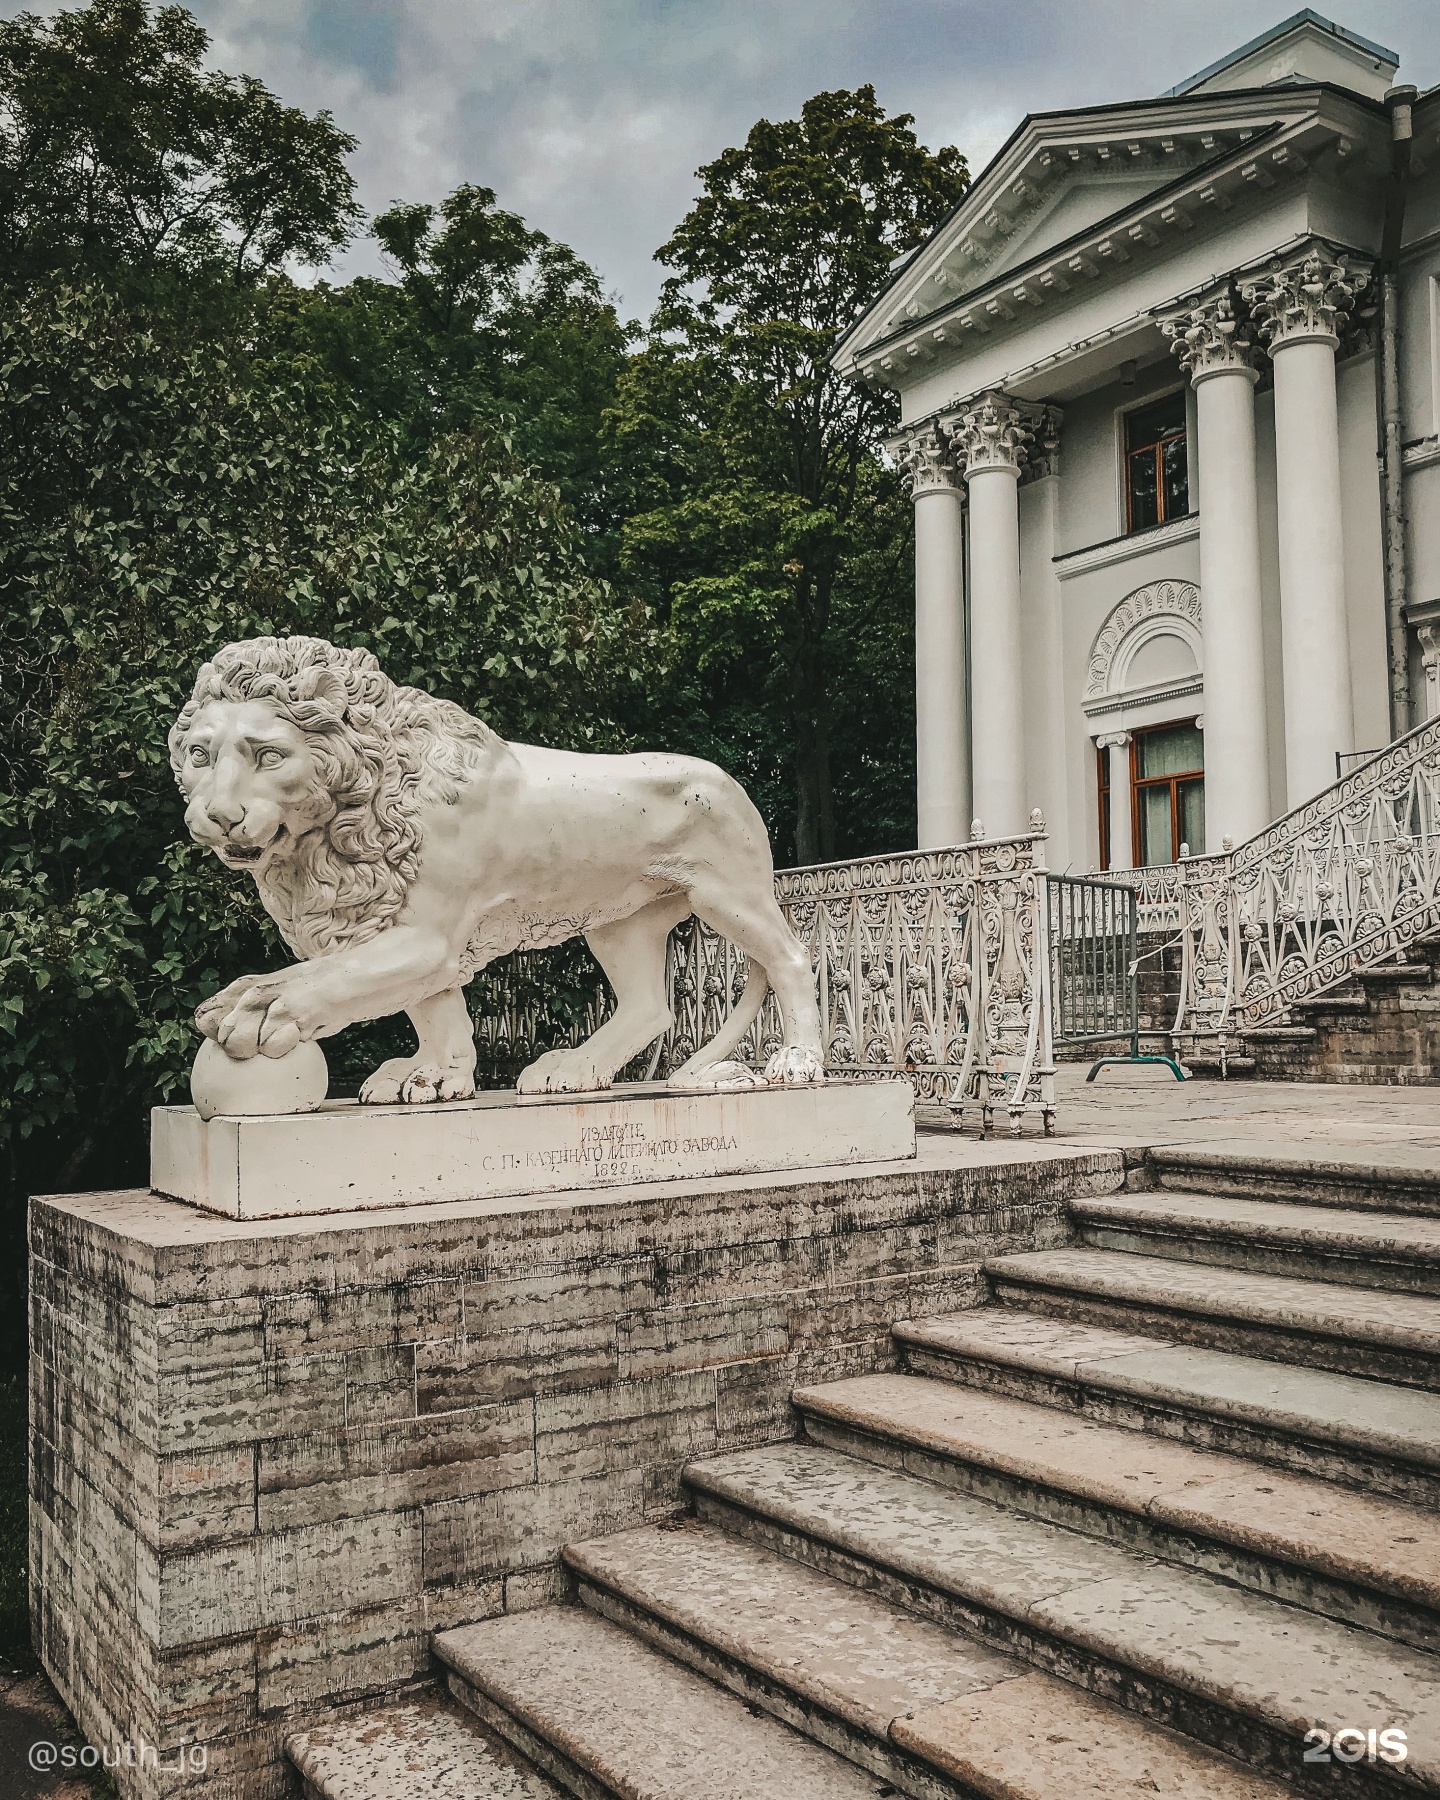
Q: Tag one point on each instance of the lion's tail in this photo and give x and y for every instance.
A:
(727, 1040)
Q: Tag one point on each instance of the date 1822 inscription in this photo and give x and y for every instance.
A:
(613, 1152)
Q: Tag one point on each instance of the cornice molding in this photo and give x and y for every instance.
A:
(1126, 549)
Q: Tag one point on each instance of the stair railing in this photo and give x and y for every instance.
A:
(1341, 884)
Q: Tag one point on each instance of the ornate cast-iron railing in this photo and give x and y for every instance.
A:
(933, 964)
(1343, 883)
(1157, 892)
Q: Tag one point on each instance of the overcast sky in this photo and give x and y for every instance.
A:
(591, 116)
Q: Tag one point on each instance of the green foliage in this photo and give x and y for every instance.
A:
(487, 322)
(120, 152)
(760, 499)
(163, 491)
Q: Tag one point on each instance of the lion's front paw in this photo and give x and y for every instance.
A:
(718, 1077)
(432, 1083)
(403, 1080)
(791, 1066)
(564, 1072)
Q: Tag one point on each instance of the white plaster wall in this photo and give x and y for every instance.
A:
(1085, 602)
(1420, 387)
(1092, 507)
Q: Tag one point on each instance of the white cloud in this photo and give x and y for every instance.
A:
(591, 116)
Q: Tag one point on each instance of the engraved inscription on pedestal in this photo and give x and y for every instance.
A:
(348, 1158)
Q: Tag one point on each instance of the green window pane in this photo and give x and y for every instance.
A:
(1156, 836)
(1192, 815)
(1178, 750)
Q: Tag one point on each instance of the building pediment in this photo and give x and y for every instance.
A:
(1075, 197)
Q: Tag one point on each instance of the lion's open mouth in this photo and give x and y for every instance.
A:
(245, 856)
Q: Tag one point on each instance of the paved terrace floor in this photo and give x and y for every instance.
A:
(1143, 1106)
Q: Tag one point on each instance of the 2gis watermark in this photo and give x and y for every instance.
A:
(1356, 1744)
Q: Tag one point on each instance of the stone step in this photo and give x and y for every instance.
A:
(1399, 1252)
(1399, 1181)
(902, 1697)
(1239, 1672)
(603, 1713)
(1318, 1324)
(416, 1750)
(1366, 1434)
(1367, 1561)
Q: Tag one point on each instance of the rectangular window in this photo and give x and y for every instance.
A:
(1157, 480)
(1167, 777)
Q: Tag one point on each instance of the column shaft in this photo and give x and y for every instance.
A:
(942, 725)
(1301, 307)
(1120, 852)
(1237, 784)
(1319, 714)
(997, 704)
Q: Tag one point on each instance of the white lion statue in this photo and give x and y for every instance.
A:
(400, 845)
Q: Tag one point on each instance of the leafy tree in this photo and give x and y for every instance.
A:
(756, 465)
(487, 320)
(120, 152)
(163, 491)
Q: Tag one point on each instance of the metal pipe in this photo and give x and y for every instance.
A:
(1399, 102)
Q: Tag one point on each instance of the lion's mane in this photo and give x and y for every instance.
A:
(382, 752)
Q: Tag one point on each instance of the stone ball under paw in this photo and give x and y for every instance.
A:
(294, 1083)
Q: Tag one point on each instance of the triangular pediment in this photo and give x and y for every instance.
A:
(1064, 176)
(1073, 207)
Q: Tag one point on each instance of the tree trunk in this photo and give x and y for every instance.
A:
(814, 799)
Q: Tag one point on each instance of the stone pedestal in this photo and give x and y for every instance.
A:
(271, 1457)
(347, 1156)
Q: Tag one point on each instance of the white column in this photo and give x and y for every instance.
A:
(991, 436)
(1216, 350)
(1120, 851)
(1300, 311)
(942, 707)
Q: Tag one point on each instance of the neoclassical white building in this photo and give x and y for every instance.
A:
(1171, 401)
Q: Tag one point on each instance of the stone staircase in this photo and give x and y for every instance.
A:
(1166, 1506)
(1382, 1027)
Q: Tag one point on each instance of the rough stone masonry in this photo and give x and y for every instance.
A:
(270, 1458)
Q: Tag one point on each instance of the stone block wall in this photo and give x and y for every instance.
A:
(270, 1459)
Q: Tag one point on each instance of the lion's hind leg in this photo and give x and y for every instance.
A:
(754, 922)
(632, 954)
(443, 1068)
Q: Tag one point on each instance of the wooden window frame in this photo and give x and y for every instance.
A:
(1157, 450)
(1139, 782)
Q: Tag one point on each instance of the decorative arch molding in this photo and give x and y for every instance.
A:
(1159, 609)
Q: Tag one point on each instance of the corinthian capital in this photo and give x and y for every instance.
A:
(927, 461)
(1309, 297)
(992, 432)
(1211, 338)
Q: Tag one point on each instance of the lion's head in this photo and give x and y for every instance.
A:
(305, 765)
